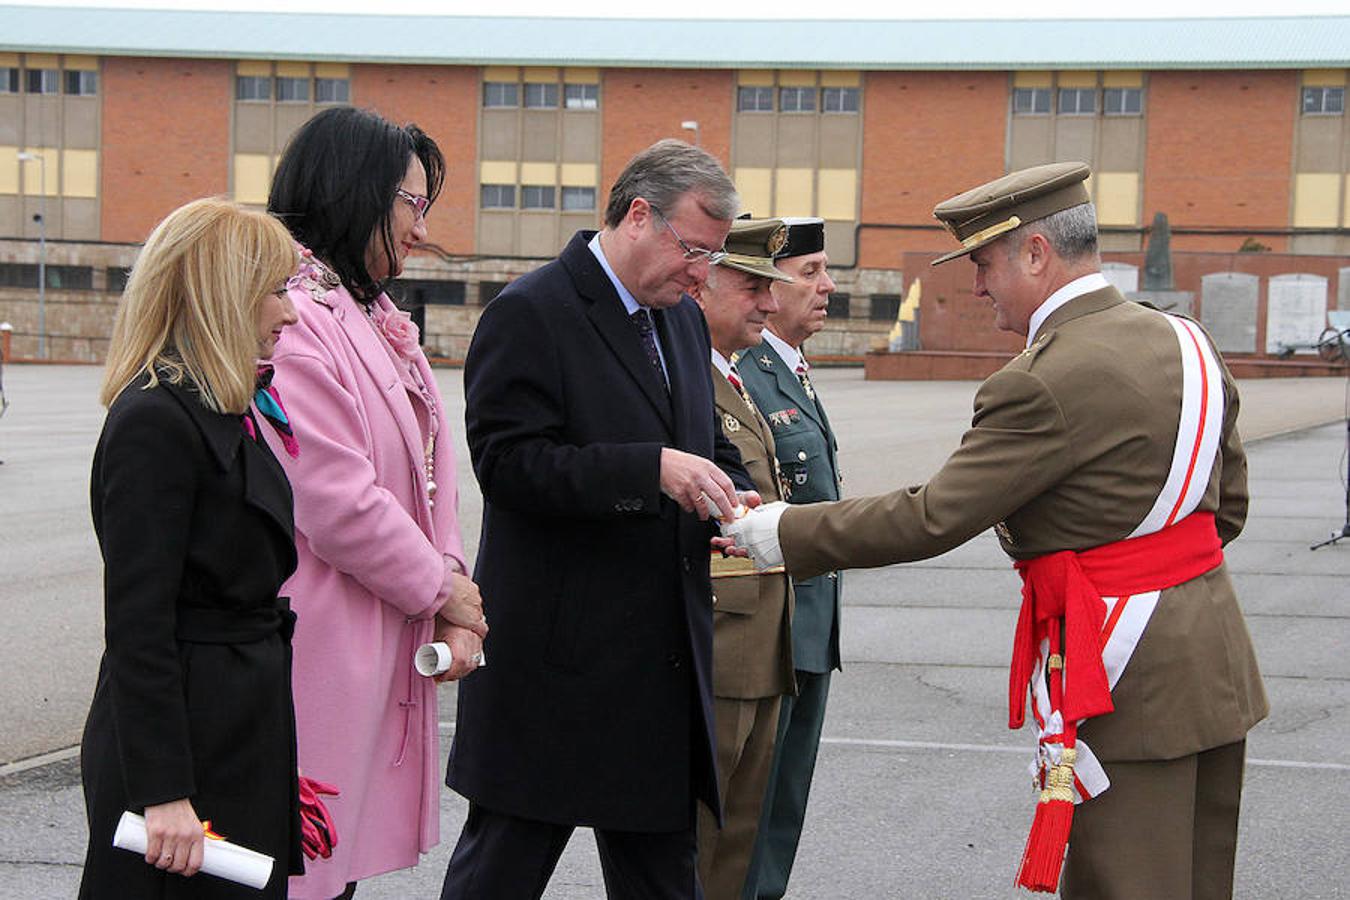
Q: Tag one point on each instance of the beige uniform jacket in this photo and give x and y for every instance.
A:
(752, 639)
(1069, 446)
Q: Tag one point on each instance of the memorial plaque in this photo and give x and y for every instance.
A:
(1228, 310)
(1123, 276)
(1296, 312)
(1343, 288)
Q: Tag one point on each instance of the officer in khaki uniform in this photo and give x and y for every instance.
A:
(777, 376)
(1107, 457)
(752, 645)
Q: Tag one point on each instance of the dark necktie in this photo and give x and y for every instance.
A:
(642, 321)
(805, 379)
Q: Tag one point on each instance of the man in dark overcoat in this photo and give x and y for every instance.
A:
(591, 429)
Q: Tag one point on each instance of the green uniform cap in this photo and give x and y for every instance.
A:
(986, 213)
(752, 245)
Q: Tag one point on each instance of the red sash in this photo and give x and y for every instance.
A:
(1067, 587)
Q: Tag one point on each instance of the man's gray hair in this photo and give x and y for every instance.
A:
(665, 172)
(1071, 233)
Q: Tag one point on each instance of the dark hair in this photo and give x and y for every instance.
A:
(336, 184)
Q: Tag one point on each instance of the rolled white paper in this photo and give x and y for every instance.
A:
(433, 659)
(219, 858)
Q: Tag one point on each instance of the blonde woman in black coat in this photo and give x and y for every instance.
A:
(192, 717)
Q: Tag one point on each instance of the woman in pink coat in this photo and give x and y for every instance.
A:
(381, 564)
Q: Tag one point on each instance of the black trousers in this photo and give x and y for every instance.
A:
(503, 857)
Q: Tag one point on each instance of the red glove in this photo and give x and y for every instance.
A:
(318, 834)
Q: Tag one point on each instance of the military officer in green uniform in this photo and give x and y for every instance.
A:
(776, 375)
(1106, 456)
(752, 643)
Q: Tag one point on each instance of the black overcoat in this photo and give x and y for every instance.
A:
(595, 707)
(194, 521)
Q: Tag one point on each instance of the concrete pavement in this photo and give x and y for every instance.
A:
(921, 790)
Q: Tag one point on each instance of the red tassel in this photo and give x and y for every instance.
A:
(1049, 837)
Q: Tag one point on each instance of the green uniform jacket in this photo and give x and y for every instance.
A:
(1070, 443)
(806, 450)
(752, 644)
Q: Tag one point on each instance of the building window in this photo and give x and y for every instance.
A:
(537, 196)
(1323, 101)
(754, 99)
(578, 199)
(117, 279)
(9, 81)
(430, 292)
(23, 275)
(885, 307)
(1123, 101)
(70, 278)
(839, 100)
(501, 93)
(43, 81)
(541, 96)
(81, 83)
(292, 90)
(488, 291)
(838, 306)
(796, 99)
(1031, 101)
(1077, 101)
(252, 87)
(331, 90)
(581, 96)
(498, 196)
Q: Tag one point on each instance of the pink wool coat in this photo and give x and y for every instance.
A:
(370, 565)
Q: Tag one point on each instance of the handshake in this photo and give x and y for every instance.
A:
(753, 533)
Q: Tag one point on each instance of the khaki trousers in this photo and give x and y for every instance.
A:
(745, 735)
(1165, 830)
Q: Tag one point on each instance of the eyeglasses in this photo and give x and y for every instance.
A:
(420, 205)
(691, 254)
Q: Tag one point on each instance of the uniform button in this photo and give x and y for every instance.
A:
(638, 503)
(673, 660)
(618, 507)
(688, 566)
(801, 454)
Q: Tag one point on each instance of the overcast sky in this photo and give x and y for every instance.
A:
(785, 9)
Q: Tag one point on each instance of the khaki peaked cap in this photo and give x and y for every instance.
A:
(752, 245)
(989, 211)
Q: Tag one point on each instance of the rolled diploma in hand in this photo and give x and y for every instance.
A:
(716, 513)
(220, 858)
(436, 659)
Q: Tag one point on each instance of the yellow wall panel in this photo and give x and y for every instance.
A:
(756, 189)
(1123, 79)
(1316, 196)
(41, 61)
(81, 63)
(538, 173)
(792, 194)
(797, 77)
(1117, 198)
(293, 69)
(81, 173)
(1076, 79)
(9, 167)
(501, 73)
(579, 175)
(332, 70)
(9, 60)
(575, 75)
(34, 181)
(755, 77)
(496, 172)
(1323, 77)
(254, 67)
(252, 177)
(833, 78)
(837, 197)
(1345, 207)
(540, 75)
(1031, 79)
